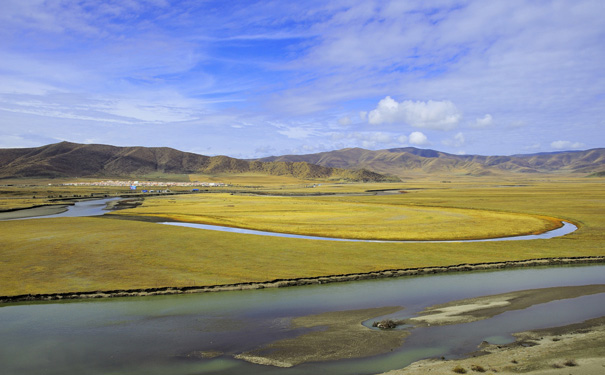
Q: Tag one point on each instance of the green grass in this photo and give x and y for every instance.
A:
(88, 254)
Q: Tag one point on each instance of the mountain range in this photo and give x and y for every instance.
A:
(67, 159)
(411, 161)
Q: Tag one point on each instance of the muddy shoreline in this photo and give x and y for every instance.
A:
(280, 283)
(577, 348)
(34, 211)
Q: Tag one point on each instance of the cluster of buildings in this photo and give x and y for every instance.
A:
(134, 184)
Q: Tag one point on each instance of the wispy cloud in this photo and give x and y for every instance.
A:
(566, 145)
(201, 69)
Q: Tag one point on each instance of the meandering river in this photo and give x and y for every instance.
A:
(565, 229)
(161, 334)
(99, 207)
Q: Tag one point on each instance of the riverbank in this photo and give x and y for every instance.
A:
(26, 213)
(280, 283)
(573, 349)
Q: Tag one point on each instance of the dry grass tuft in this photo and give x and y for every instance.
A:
(459, 370)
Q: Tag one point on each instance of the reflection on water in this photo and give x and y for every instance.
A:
(156, 335)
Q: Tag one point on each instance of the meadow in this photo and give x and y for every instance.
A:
(109, 252)
(389, 217)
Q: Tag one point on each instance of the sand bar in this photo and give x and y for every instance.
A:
(33, 212)
(473, 309)
(577, 349)
(343, 337)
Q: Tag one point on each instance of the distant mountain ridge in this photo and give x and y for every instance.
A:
(410, 160)
(67, 159)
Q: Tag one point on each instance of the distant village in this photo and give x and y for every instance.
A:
(134, 185)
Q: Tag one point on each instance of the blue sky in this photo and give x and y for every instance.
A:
(258, 78)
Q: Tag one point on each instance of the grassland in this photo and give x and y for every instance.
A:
(358, 217)
(88, 254)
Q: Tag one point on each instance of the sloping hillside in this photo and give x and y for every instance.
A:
(78, 160)
(403, 161)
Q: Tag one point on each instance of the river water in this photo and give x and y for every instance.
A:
(92, 207)
(565, 229)
(98, 207)
(154, 335)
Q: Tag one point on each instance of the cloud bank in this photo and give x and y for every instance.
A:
(566, 145)
(437, 115)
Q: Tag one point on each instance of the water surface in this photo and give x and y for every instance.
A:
(154, 335)
(562, 231)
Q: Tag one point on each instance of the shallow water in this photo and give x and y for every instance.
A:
(153, 335)
(93, 207)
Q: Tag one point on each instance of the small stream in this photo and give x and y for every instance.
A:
(562, 231)
(97, 207)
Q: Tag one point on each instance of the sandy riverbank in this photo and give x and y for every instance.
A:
(33, 212)
(576, 349)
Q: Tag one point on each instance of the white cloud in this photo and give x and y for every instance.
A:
(363, 115)
(370, 140)
(418, 139)
(483, 122)
(403, 139)
(165, 108)
(296, 132)
(457, 141)
(344, 121)
(566, 145)
(439, 115)
(533, 147)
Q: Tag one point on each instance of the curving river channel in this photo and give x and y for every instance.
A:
(99, 207)
(165, 334)
(565, 229)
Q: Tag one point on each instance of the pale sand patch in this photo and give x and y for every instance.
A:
(582, 344)
(473, 309)
(454, 314)
(33, 212)
(263, 361)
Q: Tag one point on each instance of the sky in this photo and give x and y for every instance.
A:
(251, 79)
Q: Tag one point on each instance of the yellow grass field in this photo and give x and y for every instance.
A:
(88, 254)
(357, 217)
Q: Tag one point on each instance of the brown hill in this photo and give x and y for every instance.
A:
(405, 161)
(67, 159)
